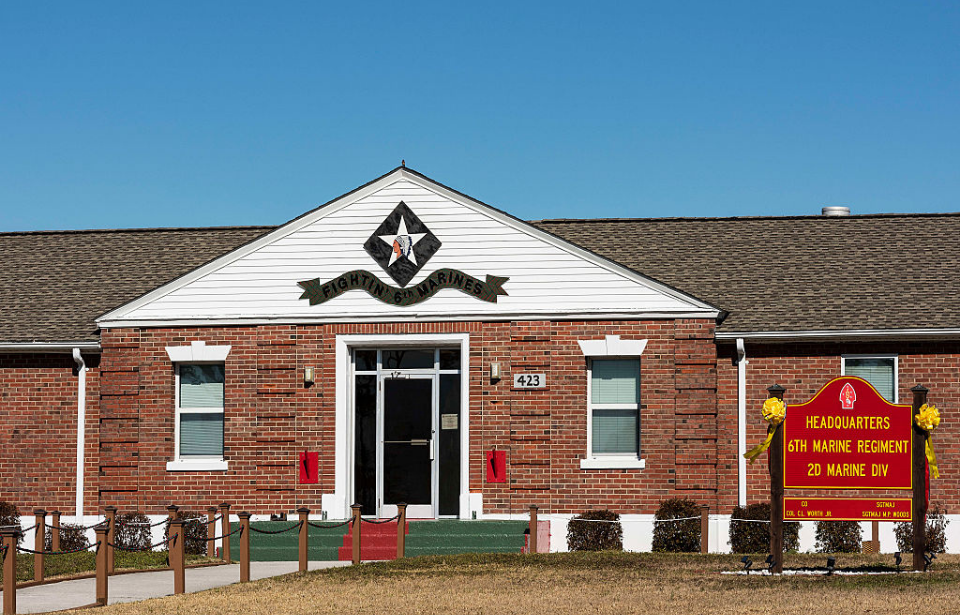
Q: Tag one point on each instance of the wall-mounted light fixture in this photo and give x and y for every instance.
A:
(495, 371)
(307, 375)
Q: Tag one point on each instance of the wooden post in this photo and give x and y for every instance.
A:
(211, 531)
(110, 512)
(533, 529)
(776, 489)
(101, 531)
(9, 554)
(402, 530)
(304, 537)
(355, 534)
(39, 542)
(244, 546)
(55, 530)
(225, 531)
(919, 480)
(704, 529)
(176, 544)
(172, 511)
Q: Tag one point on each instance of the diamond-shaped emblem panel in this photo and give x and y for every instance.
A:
(402, 244)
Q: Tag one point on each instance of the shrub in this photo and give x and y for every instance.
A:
(585, 533)
(133, 531)
(838, 536)
(9, 515)
(71, 537)
(196, 532)
(677, 536)
(936, 533)
(753, 537)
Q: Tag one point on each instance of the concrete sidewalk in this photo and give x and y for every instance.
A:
(142, 585)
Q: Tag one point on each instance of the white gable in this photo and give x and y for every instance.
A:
(547, 276)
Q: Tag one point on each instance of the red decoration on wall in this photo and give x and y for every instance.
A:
(309, 468)
(496, 466)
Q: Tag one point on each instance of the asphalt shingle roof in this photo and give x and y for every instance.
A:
(54, 284)
(897, 271)
(888, 271)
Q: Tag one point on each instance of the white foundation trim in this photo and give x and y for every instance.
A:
(337, 505)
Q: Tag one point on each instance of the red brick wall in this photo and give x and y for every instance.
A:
(271, 416)
(688, 416)
(803, 368)
(38, 431)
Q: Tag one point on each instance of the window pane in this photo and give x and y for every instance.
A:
(201, 435)
(616, 381)
(366, 360)
(450, 358)
(201, 386)
(878, 372)
(407, 359)
(614, 431)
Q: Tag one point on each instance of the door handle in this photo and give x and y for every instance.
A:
(419, 442)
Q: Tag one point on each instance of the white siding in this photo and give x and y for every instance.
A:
(544, 278)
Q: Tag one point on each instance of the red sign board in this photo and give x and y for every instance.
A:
(847, 437)
(847, 509)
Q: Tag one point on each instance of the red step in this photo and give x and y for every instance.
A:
(378, 541)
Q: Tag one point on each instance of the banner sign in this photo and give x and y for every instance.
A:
(360, 279)
(847, 437)
(848, 509)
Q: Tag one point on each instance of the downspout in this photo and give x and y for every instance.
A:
(741, 422)
(81, 426)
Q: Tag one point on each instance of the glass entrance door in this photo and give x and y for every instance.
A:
(406, 431)
(408, 446)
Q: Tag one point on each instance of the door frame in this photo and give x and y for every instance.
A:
(337, 504)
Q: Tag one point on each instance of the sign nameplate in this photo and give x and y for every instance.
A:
(529, 381)
(449, 421)
(848, 509)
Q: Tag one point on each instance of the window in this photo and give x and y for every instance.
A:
(614, 407)
(200, 411)
(613, 403)
(200, 376)
(878, 370)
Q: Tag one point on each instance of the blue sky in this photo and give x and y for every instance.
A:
(116, 115)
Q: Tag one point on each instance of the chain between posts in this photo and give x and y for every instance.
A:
(295, 526)
(147, 548)
(239, 529)
(78, 550)
(381, 521)
(321, 526)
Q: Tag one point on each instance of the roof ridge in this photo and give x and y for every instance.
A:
(159, 229)
(745, 218)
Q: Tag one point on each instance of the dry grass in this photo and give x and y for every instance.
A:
(576, 584)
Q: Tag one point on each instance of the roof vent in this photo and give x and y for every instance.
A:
(835, 211)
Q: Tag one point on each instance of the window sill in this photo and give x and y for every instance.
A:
(197, 465)
(612, 463)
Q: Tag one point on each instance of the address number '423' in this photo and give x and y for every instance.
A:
(529, 381)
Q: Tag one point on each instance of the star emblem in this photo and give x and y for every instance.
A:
(402, 244)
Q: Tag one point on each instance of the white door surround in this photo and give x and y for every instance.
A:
(337, 504)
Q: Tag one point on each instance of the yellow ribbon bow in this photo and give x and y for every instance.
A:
(774, 411)
(928, 420)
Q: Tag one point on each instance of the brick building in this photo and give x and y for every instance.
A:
(406, 342)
